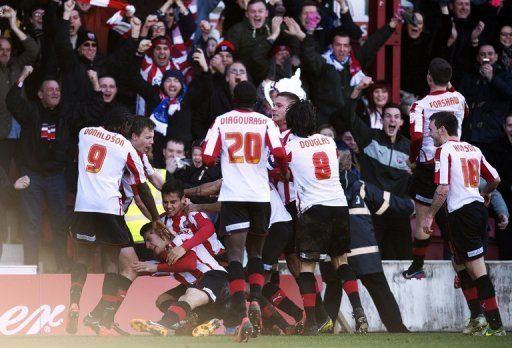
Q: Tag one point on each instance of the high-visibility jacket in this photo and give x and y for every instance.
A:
(134, 217)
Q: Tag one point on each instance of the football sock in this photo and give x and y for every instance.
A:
(123, 284)
(350, 286)
(487, 298)
(255, 272)
(175, 313)
(320, 313)
(419, 250)
(275, 278)
(237, 288)
(307, 290)
(332, 298)
(108, 302)
(78, 276)
(279, 299)
(470, 293)
(271, 315)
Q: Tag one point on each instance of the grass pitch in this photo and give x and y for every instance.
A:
(377, 340)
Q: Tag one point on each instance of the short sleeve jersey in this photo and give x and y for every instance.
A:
(103, 157)
(420, 114)
(243, 140)
(314, 164)
(460, 165)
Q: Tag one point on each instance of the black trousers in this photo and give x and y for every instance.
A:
(377, 287)
(394, 237)
(383, 298)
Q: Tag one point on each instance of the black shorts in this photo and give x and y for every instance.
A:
(322, 231)
(215, 284)
(468, 227)
(238, 216)
(99, 228)
(280, 240)
(422, 187)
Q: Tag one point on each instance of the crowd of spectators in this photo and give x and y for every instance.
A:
(169, 61)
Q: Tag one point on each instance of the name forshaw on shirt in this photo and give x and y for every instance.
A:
(441, 103)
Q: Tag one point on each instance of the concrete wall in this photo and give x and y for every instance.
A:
(433, 304)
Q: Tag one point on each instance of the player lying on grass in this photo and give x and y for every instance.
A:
(203, 283)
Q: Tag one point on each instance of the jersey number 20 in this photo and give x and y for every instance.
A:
(251, 144)
(96, 156)
(322, 167)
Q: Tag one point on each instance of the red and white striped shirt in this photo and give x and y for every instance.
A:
(128, 191)
(460, 165)
(205, 262)
(197, 229)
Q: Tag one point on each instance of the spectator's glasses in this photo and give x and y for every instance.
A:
(170, 14)
(506, 34)
(237, 71)
(90, 44)
(38, 14)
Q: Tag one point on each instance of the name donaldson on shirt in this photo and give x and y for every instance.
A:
(107, 137)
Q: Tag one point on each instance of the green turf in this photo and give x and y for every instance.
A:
(443, 340)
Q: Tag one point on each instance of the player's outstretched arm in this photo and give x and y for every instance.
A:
(205, 190)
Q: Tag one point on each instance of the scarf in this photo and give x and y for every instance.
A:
(354, 67)
(152, 74)
(116, 4)
(165, 110)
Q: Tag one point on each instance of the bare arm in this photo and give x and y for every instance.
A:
(437, 202)
(156, 180)
(142, 207)
(205, 190)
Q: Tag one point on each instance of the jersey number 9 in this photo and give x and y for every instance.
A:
(96, 156)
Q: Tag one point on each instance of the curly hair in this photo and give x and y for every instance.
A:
(301, 118)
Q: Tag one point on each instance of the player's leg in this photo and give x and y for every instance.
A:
(277, 238)
(351, 288)
(259, 215)
(82, 257)
(339, 246)
(83, 227)
(477, 320)
(107, 306)
(333, 290)
(165, 300)
(469, 226)
(235, 226)
(419, 244)
(486, 296)
(256, 276)
(163, 303)
(125, 278)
